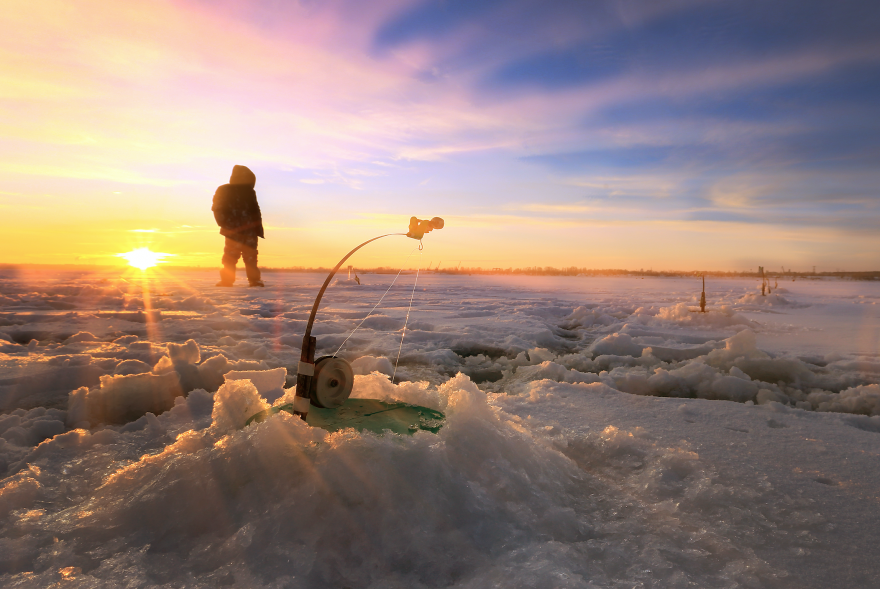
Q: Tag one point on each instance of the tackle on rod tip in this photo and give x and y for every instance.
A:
(418, 227)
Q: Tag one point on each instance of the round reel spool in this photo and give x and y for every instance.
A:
(332, 382)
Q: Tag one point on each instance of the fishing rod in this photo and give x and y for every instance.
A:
(327, 381)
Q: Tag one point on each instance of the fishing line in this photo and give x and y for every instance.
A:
(411, 296)
(380, 299)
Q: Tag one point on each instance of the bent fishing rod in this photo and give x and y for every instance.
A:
(327, 382)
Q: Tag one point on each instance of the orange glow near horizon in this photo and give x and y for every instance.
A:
(143, 258)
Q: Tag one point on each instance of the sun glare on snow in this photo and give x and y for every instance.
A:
(143, 257)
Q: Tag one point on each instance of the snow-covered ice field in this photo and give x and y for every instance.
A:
(598, 434)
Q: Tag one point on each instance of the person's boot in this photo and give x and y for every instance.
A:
(253, 275)
(227, 276)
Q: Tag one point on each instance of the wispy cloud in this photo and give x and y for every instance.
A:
(517, 112)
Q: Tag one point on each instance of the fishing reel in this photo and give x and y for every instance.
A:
(331, 385)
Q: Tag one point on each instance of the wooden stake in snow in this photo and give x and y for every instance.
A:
(703, 296)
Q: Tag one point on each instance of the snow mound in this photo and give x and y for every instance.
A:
(773, 299)
(739, 371)
(691, 380)
(559, 463)
(553, 371)
(863, 399)
(585, 317)
(29, 428)
(482, 503)
(689, 316)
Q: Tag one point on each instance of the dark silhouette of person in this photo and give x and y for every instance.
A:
(238, 215)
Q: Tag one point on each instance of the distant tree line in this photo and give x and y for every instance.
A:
(578, 271)
(526, 271)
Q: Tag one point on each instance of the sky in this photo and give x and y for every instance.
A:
(679, 134)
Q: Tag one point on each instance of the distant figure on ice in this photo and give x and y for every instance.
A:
(238, 214)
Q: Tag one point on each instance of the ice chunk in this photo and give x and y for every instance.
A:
(265, 380)
(234, 403)
(553, 371)
(863, 399)
(187, 352)
(124, 398)
(383, 323)
(743, 343)
(617, 344)
(18, 493)
(212, 370)
(195, 303)
(70, 360)
(163, 365)
(540, 355)
(369, 364)
(141, 346)
(82, 336)
(131, 367)
(32, 427)
(767, 396)
(728, 388)
(378, 386)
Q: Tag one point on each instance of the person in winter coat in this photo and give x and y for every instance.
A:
(238, 215)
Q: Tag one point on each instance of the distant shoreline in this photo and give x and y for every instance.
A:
(527, 271)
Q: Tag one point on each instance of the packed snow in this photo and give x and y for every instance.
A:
(600, 432)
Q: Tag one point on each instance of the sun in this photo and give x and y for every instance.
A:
(143, 257)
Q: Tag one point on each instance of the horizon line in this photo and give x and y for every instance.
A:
(520, 271)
